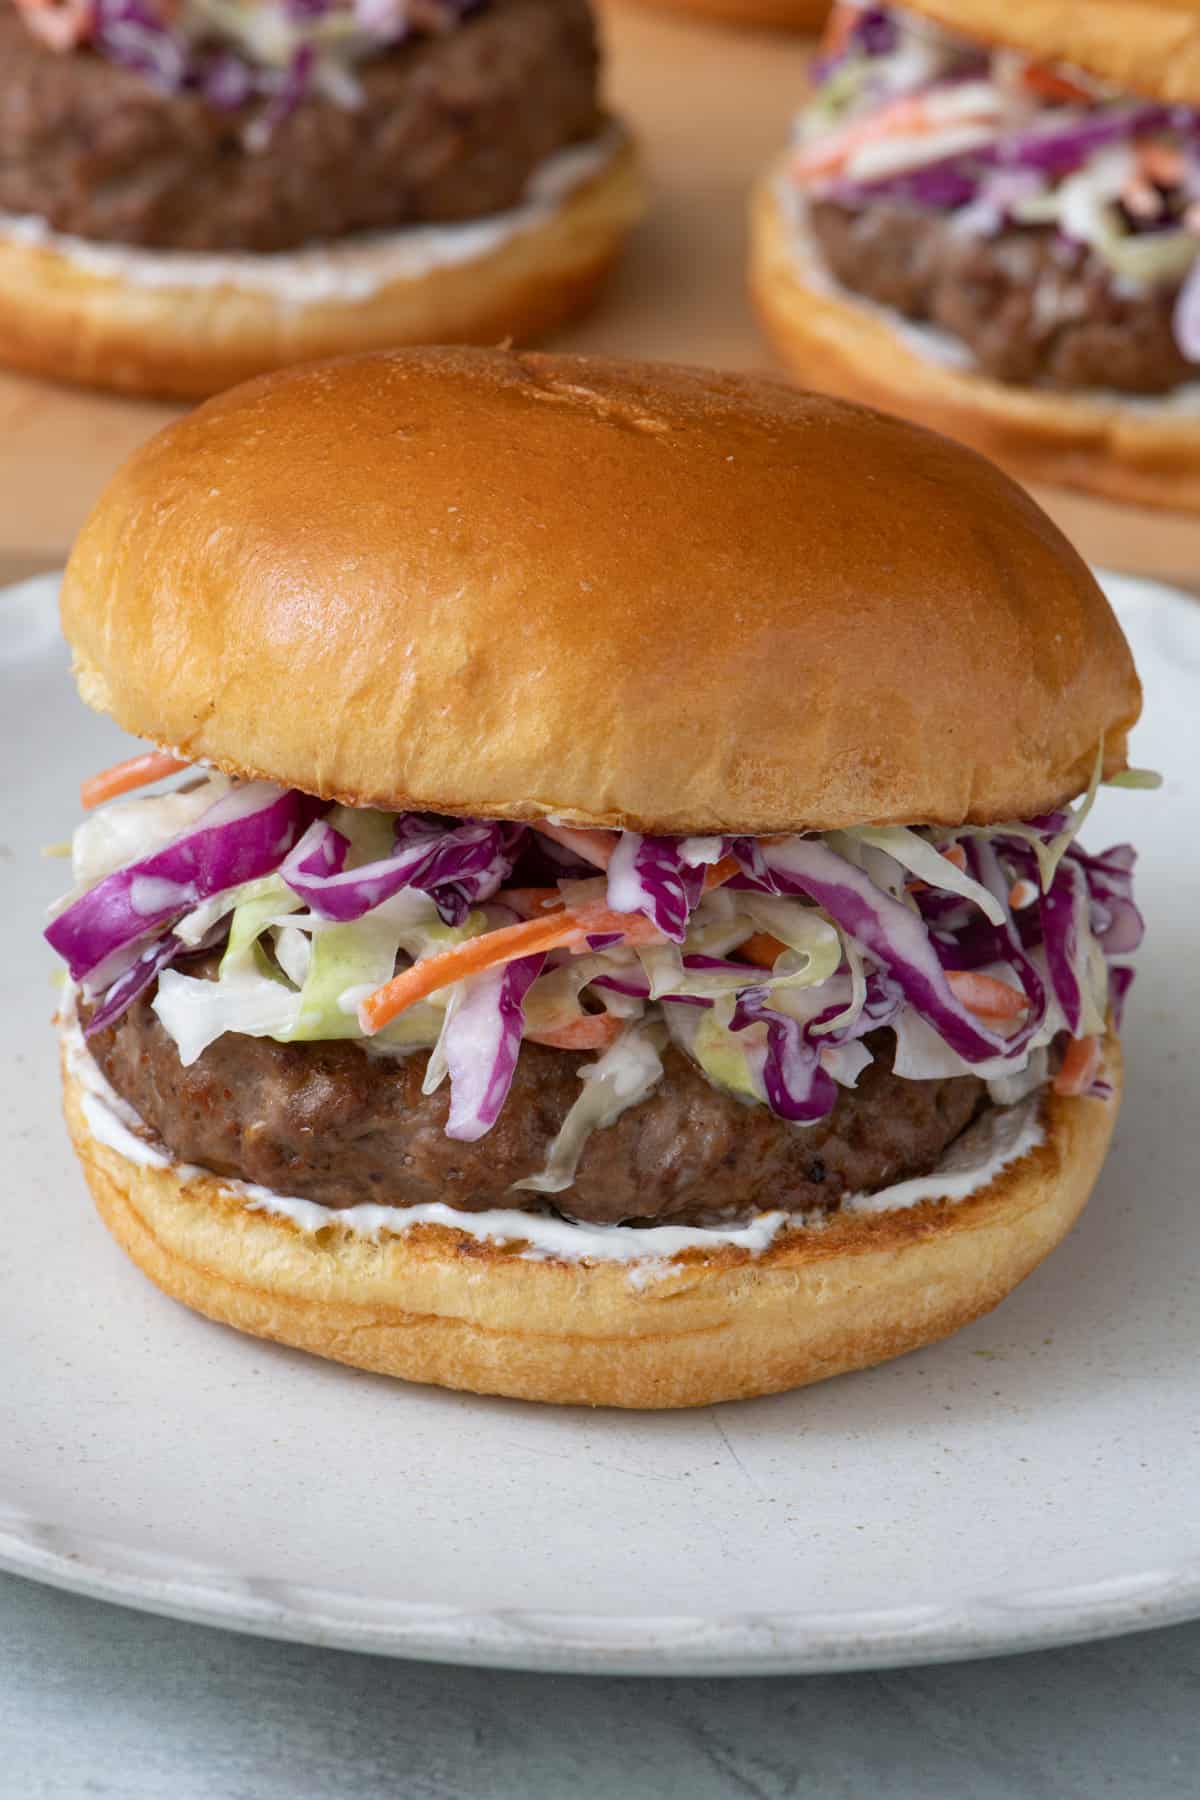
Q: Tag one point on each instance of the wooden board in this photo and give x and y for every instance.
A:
(710, 105)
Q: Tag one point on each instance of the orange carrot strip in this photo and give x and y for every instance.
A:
(472, 958)
(594, 1031)
(985, 996)
(717, 874)
(597, 921)
(825, 155)
(761, 949)
(1048, 84)
(531, 903)
(1080, 1066)
(123, 777)
(556, 931)
(590, 846)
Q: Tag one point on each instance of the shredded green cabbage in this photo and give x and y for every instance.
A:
(619, 1079)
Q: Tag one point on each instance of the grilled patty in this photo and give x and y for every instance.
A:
(450, 128)
(1031, 308)
(330, 1123)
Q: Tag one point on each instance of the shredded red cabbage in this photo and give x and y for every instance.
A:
(891, 934)
(482, 1042)
(242, 837)
(460, 865)
(797, 1087)
(648, 875)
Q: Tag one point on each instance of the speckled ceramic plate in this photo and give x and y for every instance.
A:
(1034, 1480)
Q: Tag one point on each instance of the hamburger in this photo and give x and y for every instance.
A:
(195, 191)
(988, 219)
(619, 940)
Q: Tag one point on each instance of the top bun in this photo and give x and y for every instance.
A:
(1149, 47)
(516, 586)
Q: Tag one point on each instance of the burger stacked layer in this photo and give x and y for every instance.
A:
(1047, 221)
(414, 1026)
(256, 125)
(332, 1003)
(1020, 237)
(192, 191)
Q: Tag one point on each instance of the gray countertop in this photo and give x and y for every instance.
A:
(99, 1701)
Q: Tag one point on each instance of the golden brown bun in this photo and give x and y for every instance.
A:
(1142, 46)
(776, 15)
(62, 319)
(1134, 452)
(625, 594)
(435, 1305)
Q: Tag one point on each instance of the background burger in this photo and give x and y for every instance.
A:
(988, 219)
(194, 191)
(620, 940)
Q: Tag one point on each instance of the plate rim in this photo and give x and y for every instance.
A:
(590, 1643)
(753, 1643)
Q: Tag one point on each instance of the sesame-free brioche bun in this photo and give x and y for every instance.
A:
(775, 15)
(1149, 47)
(436, 1305)
(514, 586)
(1134, 450)
(68, 313)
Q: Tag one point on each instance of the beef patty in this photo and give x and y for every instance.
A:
(450, 128)
(1031, 307)
(327, 1122)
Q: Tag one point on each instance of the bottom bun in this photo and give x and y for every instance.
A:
(77, 320)
(1125, 449)
(436, 1305)
(777, 15)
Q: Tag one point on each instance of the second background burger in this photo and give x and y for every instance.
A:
(195, 191)
(989, 219)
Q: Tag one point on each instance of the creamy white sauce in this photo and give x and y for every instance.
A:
(991, 1144)
(1001, 1136)
(930, 342)
(349, 270)
(153, 894)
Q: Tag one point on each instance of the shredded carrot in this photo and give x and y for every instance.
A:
(531, 903)
(568, 928)
(908, 116)
(563, 928)
(720, 872)
(986, 997)
(761, 949)
(590, 846)
(123, 777)
(1021, 894)
(1080, 1066)
(1050, 84)
(594, 1031)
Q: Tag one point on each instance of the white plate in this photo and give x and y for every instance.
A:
(1035, 1480)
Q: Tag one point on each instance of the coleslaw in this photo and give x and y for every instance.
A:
(770, 962)
(267, 55)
